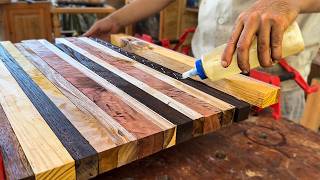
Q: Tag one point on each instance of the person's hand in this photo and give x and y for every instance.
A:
(103, 28)
(266, 19)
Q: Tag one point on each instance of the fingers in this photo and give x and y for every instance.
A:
(94, 30)
(263, 45)
(245, 40)
(231, 45)
(277, 32)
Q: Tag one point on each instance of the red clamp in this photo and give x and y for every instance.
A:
(147, 38)
(275, 80)
(271, 79)
(2, 172)
(298, 78)
(183, 37)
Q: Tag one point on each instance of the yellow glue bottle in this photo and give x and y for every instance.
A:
(209, 66)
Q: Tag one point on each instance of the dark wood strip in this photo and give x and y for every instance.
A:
(15, 162)
(184, 124)
(79, 148)
(242, 108)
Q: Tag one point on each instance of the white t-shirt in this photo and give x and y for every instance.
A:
(215, 23)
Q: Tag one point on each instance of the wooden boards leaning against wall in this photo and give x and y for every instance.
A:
(245, 88)
(79, 109)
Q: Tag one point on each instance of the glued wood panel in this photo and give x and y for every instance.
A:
(206, 107)
(140, 126)
(207, 122)
(87, 109)
(245, 88)
(211, 114)
(47, 156)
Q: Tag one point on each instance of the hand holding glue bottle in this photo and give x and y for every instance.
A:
(209, 66)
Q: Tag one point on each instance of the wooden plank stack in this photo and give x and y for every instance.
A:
(84, 107)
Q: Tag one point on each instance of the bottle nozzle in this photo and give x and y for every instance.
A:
(190, 73)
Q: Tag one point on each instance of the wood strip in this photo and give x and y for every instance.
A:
(185, 125)
(16, 165)
(47, 156)
(135, 122)
(206, 107)
(82, 152)
(245, 88)
(92, 130)
(242, 108)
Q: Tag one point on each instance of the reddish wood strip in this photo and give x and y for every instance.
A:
(211, 114)
(13, 158)
(132, 120)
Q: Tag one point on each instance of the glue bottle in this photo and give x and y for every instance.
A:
(209, 66)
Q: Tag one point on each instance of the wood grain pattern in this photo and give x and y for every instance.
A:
(96, 134)
(185, 125)
(256, 93)
(47, 156)
(14, 159)
(311, 114)
(81, 151)
(150, 136)
(207, 107)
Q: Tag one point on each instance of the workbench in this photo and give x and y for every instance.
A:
(259, 148)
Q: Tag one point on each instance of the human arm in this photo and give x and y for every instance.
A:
(131, 13)
(267, 20)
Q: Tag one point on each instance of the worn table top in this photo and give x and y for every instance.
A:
(261, 148)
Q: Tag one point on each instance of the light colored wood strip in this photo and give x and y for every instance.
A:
(46, 154)
(171, 102)
(256, 93)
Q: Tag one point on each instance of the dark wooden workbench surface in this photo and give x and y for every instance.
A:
(257, 148)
